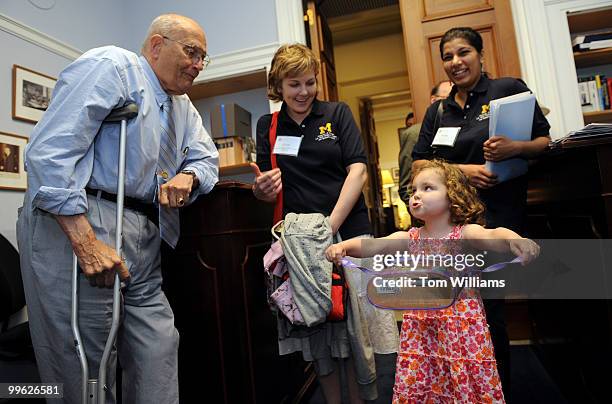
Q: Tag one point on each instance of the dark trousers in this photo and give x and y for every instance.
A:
(505, 206)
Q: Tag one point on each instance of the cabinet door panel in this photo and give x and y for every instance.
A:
(447, 8)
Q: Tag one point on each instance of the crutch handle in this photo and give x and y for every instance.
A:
(126, 112)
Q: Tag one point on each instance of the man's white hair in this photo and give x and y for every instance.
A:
(164, 25)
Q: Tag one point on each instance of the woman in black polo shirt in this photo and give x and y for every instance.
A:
(467, 107)
(327, 177)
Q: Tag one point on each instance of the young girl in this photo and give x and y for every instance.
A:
(446, 355)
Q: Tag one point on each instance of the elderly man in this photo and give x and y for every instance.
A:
(70, 206)
(408, 137)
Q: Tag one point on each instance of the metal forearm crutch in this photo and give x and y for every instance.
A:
(94, 390)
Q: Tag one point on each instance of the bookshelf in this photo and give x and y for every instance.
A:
(597, 117)
(593, 62)
(604, 116)
(593, 58)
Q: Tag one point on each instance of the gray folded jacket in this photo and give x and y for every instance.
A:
(304, 239)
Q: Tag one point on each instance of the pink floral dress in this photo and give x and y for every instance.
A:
(446, 355)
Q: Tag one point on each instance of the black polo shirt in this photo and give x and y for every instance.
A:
(312, 181)
(506, 201)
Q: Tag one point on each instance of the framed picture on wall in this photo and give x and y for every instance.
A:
(31, 93)
(395, 174)
(12, 171)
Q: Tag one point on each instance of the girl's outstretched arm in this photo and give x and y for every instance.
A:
(353, 247)
(502, 240)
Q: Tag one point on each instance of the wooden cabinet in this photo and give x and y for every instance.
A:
(592, 62)
(570, 191)
(570, 197)
(214, 281)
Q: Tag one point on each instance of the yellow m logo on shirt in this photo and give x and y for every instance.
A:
(326, 128)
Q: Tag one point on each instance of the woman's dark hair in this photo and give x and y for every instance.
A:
(471, 36)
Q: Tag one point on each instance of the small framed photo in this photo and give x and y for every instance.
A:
(12, 172)
(31, 93)
(395, 174)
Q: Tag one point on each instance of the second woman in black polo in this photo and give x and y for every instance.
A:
(325, 174)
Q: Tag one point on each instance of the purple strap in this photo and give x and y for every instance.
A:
(347, 263)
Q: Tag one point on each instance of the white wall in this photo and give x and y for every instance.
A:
(230, 25)
(24, 53)
(83, 24)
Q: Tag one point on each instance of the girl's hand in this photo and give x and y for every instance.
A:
(335, 253)
(499, 148)
(478, 175)
(524, 248)
(267, 185)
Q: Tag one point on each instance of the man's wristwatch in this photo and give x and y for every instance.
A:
(193, 176)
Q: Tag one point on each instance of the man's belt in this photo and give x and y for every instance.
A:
(148, 209)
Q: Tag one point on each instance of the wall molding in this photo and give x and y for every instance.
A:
(238, 62)
(38, 38)
(370, 79)
(390, 115)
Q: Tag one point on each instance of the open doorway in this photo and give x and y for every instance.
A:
(366, 69)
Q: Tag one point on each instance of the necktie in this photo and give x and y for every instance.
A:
(169, 222)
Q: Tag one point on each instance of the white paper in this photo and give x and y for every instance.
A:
(287, 145)
(445, 136)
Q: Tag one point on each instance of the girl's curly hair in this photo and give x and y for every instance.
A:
(465, 205)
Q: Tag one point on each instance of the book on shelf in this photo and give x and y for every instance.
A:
(581, 43)
(595, 93)
(603, 91)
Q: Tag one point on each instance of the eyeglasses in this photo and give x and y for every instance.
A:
(195, 54)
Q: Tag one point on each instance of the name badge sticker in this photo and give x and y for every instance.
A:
(287, 145)
(446, 136)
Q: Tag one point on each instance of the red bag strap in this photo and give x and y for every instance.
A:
(278, 207)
